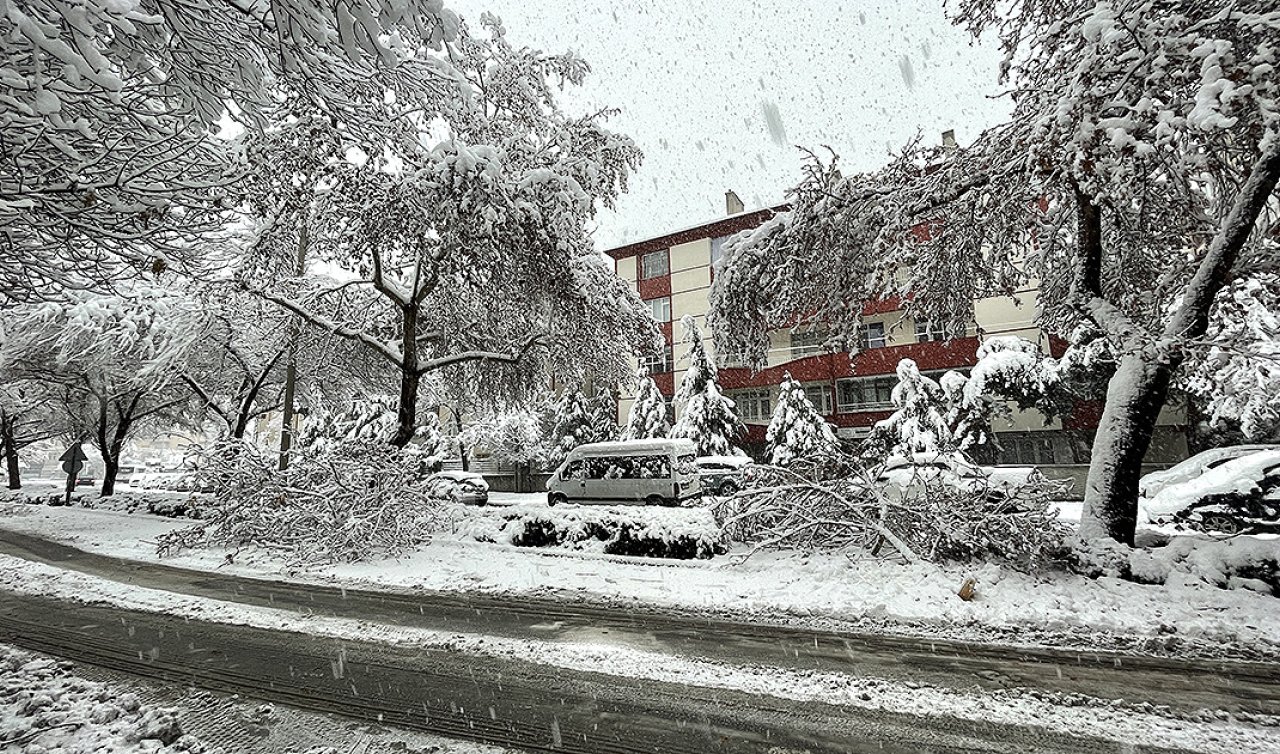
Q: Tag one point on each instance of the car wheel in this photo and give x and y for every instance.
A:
(1221, 523)
(655, 500)
(556, 498)
(728, 488)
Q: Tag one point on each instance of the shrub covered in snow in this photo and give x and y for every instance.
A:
(681, 533)
(933, 521)
(1236, 563)
(156, 503)
(349, 503)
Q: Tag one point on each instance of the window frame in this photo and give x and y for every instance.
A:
(650, 302)
(864, 336)
(642, 270)
(874, 385)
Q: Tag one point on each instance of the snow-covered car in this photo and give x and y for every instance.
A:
(723, 475)
(1236, 497)
(458, 487)
(1153, 483)
(906, 476)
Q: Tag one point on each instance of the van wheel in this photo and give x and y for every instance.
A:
(655, 500)
(556, 498)
(728, 488)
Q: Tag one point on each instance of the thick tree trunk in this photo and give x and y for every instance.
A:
(1135, 396)
(407, 408)
(11, 467)
(110, 470)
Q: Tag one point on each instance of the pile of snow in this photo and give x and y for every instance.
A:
(153, 502)
(1236, 563)
(681, 533)
(45, 708)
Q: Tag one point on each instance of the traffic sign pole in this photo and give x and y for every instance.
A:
(73, 463)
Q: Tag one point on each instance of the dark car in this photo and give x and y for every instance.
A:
(459, 487)
(723, 475)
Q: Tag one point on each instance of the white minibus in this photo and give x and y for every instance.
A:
(645, 472)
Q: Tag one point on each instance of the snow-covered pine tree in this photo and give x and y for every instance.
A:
(574, 424)
(797, 430)
(604, 416)
(920, 424)
(648, 415)
(707, 416)
(969, 419)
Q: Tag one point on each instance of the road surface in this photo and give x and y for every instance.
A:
(531, 706)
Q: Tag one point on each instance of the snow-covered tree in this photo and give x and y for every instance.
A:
(108, 161)
(471, 246)
(797, 430)
(969, 417)
(28, 415)
(113, 360)
(1235, 378)
(919, 425)
(512, 436)
(707, 415)
(1134, 180)
(648, 416)
(575, 422)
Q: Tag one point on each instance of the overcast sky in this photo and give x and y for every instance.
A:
(719, 93)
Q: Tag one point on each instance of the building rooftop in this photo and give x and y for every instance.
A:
(722, 226)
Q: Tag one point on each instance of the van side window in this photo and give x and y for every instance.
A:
(686, 465)
(653, 467)
(573, 470)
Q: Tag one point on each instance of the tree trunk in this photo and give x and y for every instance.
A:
(9, 450)
(11, 466)
(291, 369)
(1135, 395)
(407, 409)
(110, 469)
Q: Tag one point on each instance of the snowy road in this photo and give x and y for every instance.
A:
(1181, 685)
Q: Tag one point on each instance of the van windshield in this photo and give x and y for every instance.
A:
(686, 465)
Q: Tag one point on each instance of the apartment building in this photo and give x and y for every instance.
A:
(673, 274)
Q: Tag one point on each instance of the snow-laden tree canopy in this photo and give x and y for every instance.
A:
(471, 245)
(109, 160)
(707, 416)
(114, 361)
(1134, 180)
(796, 429)
(648, 416)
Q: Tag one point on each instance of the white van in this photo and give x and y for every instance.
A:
(645, 472)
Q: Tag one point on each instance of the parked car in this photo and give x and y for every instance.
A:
(646, 472)
(1239, 496)
(459, 487)
(723, 475)
(1153, 483)
(907, 476)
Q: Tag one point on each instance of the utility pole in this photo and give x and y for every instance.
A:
(291, 368)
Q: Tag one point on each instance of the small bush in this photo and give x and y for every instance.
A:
(677, 533)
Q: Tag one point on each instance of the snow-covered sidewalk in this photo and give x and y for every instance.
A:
(1184, 616)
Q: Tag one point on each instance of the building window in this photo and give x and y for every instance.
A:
(863, 393)
(809, 343)
(659, 363)
(717, 248)
(660, 309)
(654, 265)
(820, 397)
(1026, 449)
(753, 405)
(927, 331)
(871, 335)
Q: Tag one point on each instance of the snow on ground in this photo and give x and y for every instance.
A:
(1134, 725)
(47, 706)
(828, 590)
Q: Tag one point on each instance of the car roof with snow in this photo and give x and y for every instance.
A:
(656, 446)
(458, 475)
(736, 462)
(1239, 475)
(1193, 466)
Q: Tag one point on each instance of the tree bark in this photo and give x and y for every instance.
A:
(410, 377)
(1136, 394)
(9, 449)
(291, 369)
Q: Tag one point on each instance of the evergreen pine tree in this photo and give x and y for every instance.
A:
(577, 421)
(797, 430)
(969, 418)
(648, 416)
(920, 424)
(707, 416)
(604, 417)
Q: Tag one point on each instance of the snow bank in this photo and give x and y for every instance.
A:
(154, 502)
(681, 533)
(43, 707)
